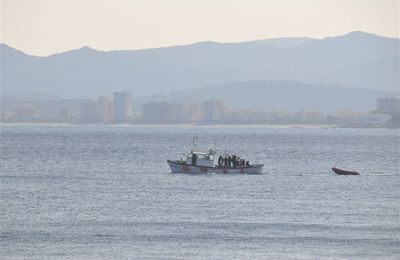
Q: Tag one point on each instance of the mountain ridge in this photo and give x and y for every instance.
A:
(86, 72)
(279, 95)
(300, 38)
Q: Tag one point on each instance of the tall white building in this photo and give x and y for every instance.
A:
(122, 106)
(104, 109)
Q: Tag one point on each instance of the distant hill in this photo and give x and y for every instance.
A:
(356, 59)
(280, 95)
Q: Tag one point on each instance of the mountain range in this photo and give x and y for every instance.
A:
(357, 59)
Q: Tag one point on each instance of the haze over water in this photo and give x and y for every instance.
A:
(99, 192)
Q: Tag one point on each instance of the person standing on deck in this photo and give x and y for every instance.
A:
(220, 161)
(194, 159)
(234, 161)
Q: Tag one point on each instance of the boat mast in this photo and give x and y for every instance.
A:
(195, 139)
(215, 145)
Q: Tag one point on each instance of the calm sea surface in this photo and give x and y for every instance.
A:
(98, 192)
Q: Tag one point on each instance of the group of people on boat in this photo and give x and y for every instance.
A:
(232, 161)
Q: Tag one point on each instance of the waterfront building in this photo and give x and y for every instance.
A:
(122, 106)
(105, 109)
(174, 113)
(213, 111)
(64, 114)
(23, 114)
(157, 112)
(89, 112)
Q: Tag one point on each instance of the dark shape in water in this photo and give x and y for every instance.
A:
(344, 172)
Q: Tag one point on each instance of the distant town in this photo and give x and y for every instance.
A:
(120, 109)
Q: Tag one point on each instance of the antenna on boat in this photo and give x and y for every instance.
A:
(215, 144)
(195, 139)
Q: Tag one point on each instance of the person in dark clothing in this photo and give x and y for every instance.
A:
(229, 161)
(234, 158)
(226, 161)
(194, 159)
(242, 162)
(220, 161)
(247, 163)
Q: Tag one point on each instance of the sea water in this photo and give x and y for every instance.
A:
(103, 192)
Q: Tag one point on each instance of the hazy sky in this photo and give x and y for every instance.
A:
(44, 27)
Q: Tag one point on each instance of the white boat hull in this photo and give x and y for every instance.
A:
(178, 167)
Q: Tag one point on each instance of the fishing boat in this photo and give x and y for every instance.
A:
(344, 172)
(203, 162)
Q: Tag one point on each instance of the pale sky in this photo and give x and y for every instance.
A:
(43, 27)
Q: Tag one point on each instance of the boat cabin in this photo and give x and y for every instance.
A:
(202, 159)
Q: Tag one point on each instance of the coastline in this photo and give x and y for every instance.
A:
(174, 125)
(127, 125)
